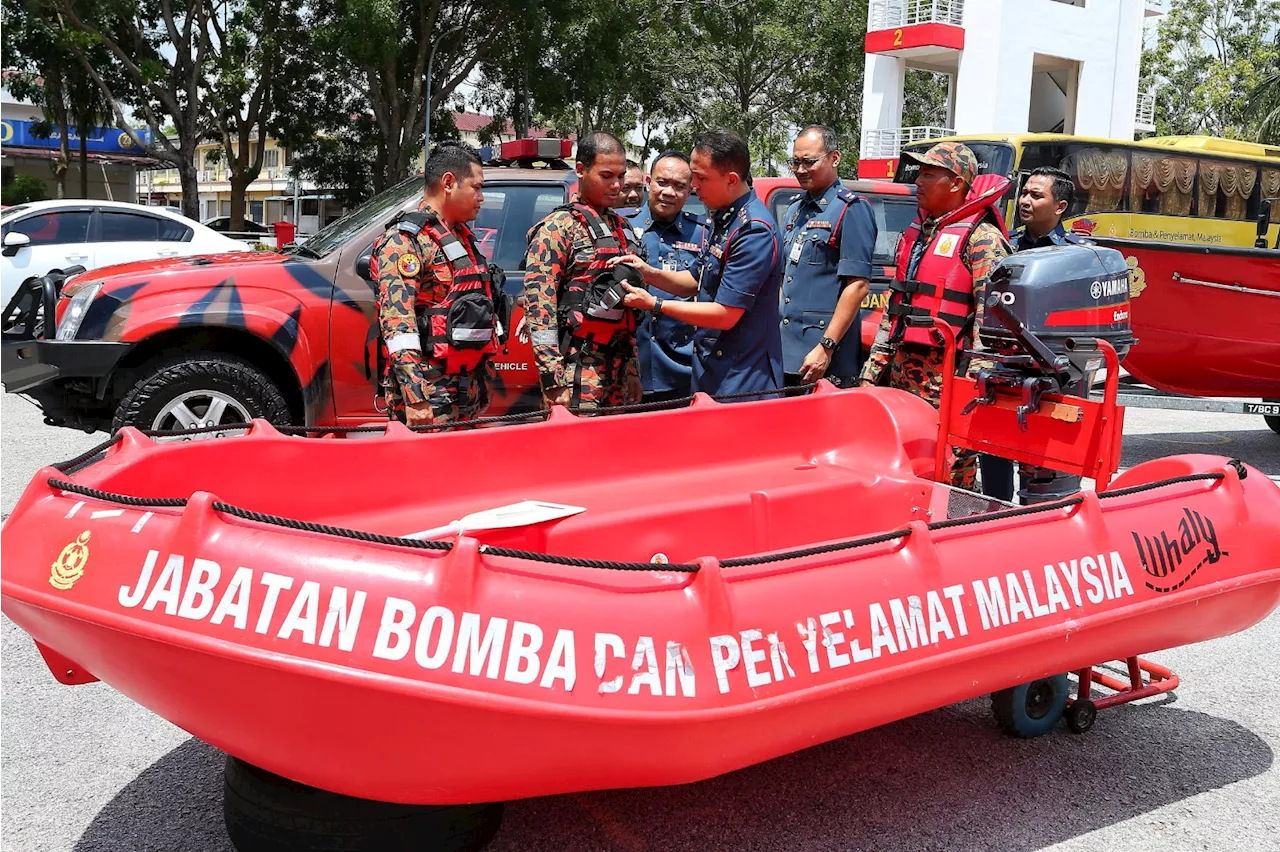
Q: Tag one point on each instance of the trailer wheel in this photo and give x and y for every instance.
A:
(1273, 420)
(267, 813)
(1081, 715)
(1031, 709)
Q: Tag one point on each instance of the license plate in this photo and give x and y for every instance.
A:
(1269, 408)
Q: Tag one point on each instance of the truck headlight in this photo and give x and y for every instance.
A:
(70, 322)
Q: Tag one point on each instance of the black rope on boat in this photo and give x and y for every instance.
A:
(320, 430)
(1006, 513)
(86, 458)
(326, 529)
(482, 421)
(111, 497)
(534, 556)
(743, 561)
(259, 517)
(1147, 486)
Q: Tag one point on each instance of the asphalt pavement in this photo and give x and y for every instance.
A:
(83, 768)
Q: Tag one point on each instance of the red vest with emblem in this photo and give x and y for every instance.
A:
(943, 286)
(584, 317)
(462, 329)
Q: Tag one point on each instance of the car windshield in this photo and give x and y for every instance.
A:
(381, 208)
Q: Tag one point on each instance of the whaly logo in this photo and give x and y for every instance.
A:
(69, 566)
(1163, 557)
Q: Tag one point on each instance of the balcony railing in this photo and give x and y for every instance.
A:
(1145, 114)
(1156, 7)
(890, 14)
(887, 144)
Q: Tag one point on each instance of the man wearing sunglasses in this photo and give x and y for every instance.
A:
(828, 236)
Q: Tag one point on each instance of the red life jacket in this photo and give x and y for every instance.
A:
(942, 285)
(463, 328)
(586, 313)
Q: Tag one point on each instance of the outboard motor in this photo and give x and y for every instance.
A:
(1044, 309)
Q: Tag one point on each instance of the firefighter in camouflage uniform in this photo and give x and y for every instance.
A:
(944, 260)
(584, 340)
(438, 300)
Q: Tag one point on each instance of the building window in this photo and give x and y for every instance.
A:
(271, 158)
(255, 211)
(211, 209)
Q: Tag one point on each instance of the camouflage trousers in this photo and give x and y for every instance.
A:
(598, 376)
(918, 370)
(452, 397)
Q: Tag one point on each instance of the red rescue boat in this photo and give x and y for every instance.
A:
(772, 580)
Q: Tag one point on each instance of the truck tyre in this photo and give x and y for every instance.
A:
(1273, 420)
(196, 389)
(264, 811)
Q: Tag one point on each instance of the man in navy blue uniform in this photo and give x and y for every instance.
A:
(1046, 195)
(828, 236)
(671, 238)
(738, 347)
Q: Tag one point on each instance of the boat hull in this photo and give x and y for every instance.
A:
(467, 675)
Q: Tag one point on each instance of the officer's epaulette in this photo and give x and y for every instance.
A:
(845, 194)
(1016, 234)
(700, 221)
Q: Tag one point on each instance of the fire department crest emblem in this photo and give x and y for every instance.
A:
(946, 245)
(69, 566)
(408, 265)
(1137, 278)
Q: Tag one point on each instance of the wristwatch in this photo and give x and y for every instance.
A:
(828, 344)
(657, 305)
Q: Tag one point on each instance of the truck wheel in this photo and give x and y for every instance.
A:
(267, 813)
(1031, 709)
(1273, 420)
(198, 389)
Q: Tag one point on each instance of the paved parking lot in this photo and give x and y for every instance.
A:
(86, 769)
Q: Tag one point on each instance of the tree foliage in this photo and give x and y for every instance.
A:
(1209, 56)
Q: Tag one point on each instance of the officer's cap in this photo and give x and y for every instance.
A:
(955, 157)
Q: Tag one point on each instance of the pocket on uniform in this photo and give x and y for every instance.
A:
(815, 319)
(816, 251)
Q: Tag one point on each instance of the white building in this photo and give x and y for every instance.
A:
(1015, 66)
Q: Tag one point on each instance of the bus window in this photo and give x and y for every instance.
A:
(1099, 171)
(994, 158)
(1227, 190)
(1162, 183)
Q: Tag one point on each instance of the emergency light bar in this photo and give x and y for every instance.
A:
(529, 149)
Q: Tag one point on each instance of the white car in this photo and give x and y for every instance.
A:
(44, 236)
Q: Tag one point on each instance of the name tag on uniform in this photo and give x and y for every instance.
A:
(814, 223)
(669, 262)
(797, 246)
(946, 246)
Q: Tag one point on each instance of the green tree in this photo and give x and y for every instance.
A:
(23, 189)
(42, 69)
(381, 50)
(1209, 55)
(264, 81)
(151, 58)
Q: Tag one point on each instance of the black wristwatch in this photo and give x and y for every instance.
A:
(828, 344)
(657, 305)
